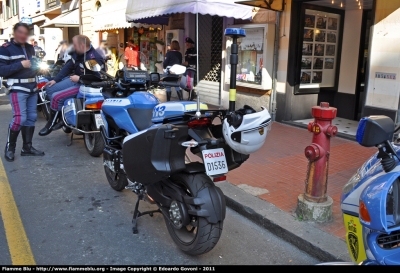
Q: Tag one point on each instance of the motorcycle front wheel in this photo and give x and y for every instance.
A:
(46, 111)
(94, 144)
(199, 236)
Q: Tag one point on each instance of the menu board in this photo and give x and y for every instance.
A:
(319, 49)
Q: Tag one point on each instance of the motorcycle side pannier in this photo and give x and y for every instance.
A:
(154, 154)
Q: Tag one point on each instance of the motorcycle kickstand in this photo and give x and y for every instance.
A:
(137, 213)
(71, 140)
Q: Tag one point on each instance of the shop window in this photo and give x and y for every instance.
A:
(319, 50)
(42, 31)
(8, 10)
(255, 56)
(14, 6)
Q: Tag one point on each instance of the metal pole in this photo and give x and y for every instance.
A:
(232, 84)
(272, 101)
(234, 33)
(80, 18)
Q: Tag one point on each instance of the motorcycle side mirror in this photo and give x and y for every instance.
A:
(155, 79)
(375, 130)
(40, 54)
(92, 65)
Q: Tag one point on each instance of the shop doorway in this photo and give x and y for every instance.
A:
(363, 62)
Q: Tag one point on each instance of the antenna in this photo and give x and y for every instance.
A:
(84, 68)
(84, 60)
(198, 113)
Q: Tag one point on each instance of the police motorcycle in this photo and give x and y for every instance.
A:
(370, 200)
(145, 147)
(82, 114)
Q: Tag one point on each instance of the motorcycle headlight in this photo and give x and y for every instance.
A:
(352, 182)
(393, 204)
(43, 66)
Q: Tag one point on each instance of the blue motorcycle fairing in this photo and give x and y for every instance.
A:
(89, 94)
(383, 256)
(368, 171)
(117, 108)
(374, 197)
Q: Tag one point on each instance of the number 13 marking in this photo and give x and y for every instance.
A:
(159, 112)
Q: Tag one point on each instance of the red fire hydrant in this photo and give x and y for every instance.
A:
(318, 152)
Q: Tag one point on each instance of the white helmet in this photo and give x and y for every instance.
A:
(245, 130)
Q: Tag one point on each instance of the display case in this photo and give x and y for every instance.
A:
(319, 50)
(256, 51)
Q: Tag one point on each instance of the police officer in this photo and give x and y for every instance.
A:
(190, 63)
(15, 66)
(66, 84)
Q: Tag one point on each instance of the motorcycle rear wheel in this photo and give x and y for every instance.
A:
(200, 236)
(94, 144)
(117, 181)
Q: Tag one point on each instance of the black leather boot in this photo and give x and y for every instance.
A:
(27, 135)
(168, 96)
(50, 123)
(179, 92)
(58, 125)
(11, 144)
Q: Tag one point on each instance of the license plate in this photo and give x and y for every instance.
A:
(99, 120)
(354, 238)
(215, 162)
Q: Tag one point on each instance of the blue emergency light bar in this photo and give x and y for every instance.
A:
(238, 32)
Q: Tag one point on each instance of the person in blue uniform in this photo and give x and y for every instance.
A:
(16, 67)
(66, 84)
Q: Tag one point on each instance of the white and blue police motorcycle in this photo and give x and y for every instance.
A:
(145, 149)
(371, 199)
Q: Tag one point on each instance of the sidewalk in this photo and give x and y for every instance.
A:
(265, 188)
(279, 169)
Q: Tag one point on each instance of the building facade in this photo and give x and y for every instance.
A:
(9, 15)
(342, 52)
(50, 21)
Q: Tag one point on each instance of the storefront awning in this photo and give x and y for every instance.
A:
(111, 15)
(142, 11)
(38, 19)
(265, 4)
(67, 19)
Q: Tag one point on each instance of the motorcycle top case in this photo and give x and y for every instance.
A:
(174, 108)
(154, 154)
